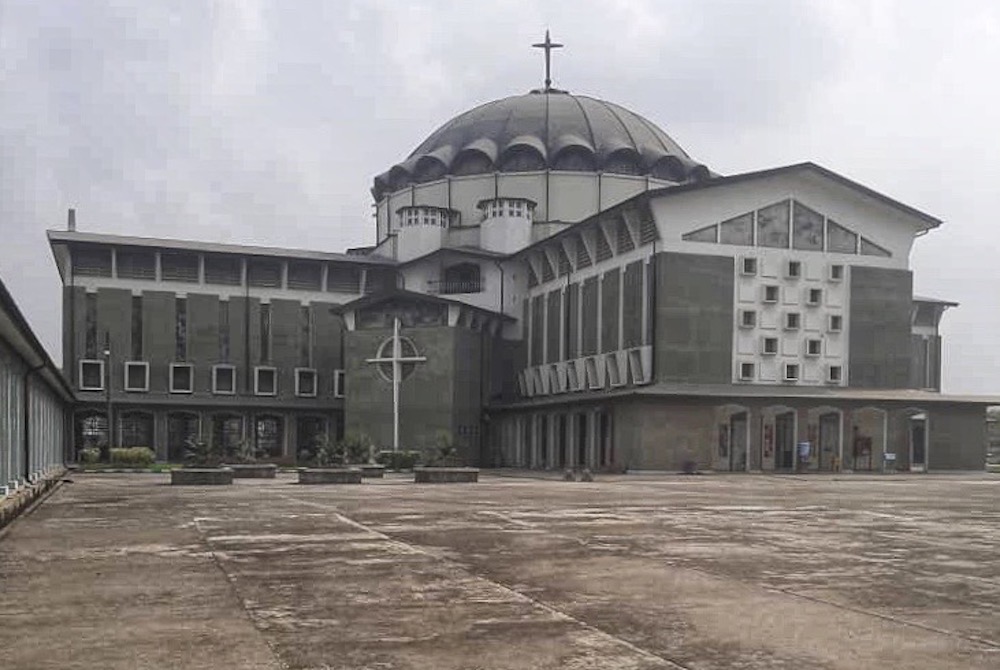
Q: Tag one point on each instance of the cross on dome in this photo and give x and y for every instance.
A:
(548, 45)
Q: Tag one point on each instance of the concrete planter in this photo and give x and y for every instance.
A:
(445, 475)
(253, 470)
(201, 476)
(329, 476)
(369, 471)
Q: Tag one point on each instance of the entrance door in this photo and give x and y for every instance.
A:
(784, 441)
(918, 442)
(829, 440)
(738, 442)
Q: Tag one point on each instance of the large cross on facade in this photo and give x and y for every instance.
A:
(397, 359)
(548, 45)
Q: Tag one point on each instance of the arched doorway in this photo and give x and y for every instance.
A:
(227, 432)
(91, 432)
(182, 428)
(269, 435)
(826, 438)
(869, 434)
(310, 431)
(733, 447)
(136, 430)
(916, 439)
(779, 427)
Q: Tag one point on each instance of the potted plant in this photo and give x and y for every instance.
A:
(443, 464)
(327, 464)
(245, 462)
(357, 450)
(202, 465)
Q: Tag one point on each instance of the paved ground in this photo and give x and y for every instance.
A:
(125, 572)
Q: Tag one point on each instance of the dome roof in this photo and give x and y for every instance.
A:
(541, 130)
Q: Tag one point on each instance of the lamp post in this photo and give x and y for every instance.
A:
(107, 391)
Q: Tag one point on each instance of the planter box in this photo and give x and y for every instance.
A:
(372, 471)
(201, 476)
(445, 475)
(253, 470)
(329, 476)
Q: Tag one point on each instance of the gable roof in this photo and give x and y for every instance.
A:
(402, 294)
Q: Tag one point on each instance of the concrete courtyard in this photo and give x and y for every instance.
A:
(124, 571)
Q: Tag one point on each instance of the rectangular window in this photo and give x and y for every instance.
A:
(747, 371)
(135, 264)
(181, 378)
(224, 380)
(814, 347)
(771, 293)
(179, 266)
(136, 376)
(90, 325)
(772, 225)
(836, 272)
(304, 275)
(793, 269)
(305, 336)
(137, 327)
(305, 382)
(814, 297)
(91, 375)
(341, 279)
(339, 384)
(834, 374)
(748, 318)
(224, 342)
(180, 329)
(769, 346)
(224, 270)
(265, 381)
(264, 273)
(265, 332)
(836, 323)
(748, 266)
(91, 262)
(791, 372)
(793, 320)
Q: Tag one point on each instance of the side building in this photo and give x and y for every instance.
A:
(36, 406)
(166, 341)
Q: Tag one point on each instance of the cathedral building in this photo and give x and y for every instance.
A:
(555, 283)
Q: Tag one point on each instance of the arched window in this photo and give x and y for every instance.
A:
(182, 427)
(269, 435)
(137, 430)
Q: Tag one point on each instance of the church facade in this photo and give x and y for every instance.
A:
(572, 290)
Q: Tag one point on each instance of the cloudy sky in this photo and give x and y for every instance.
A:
(264, 121)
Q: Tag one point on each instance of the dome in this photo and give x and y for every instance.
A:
(544, 130)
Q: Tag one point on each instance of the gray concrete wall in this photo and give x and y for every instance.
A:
(553, 323)
(879, 327)
(694, 318)
(610, 300)
(589, 317)
(957, 437)
(632, 305)
(663, 435)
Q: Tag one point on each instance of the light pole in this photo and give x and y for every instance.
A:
(107, 391)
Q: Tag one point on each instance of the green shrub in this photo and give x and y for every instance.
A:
(133, 456)
(90, 455)
(324, 453)
(202, 453)
(398, 460)
(356, 448)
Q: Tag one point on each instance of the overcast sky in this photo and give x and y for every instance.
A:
(263, 122)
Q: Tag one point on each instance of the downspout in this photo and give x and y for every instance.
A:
(27, 418)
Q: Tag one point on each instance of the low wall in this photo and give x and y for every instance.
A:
(372, 471)
(253, 470)
(445, 475)
(329, 476)
(15, 504)
(201, 476)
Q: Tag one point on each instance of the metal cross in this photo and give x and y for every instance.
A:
(397, 359)
(548, 45)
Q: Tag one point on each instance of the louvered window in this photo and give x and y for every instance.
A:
(223, 270)
(625, 242)
(603, 248)
(264, 273)
(547, 273)
(91, 262)
(304, 275)
(532, 277)
(179, 267)
(341, 279)
(136, 264)
(564, 266)
(582, 256)
(647, 230)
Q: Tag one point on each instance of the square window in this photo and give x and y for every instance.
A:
(747, 371)
(835, 323)
(749, 266)
(136, 376)
(265, 381)
(814, 297)
(771, 293)
(181, 378)
(836, 272)
(793, 270)
(224, 380)
(748, 318)
(814, 347)
(91, 375)
(339, 384)
(791, 372)
(834, 374)
(769, 346)
(793, 320)
(305, 382)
